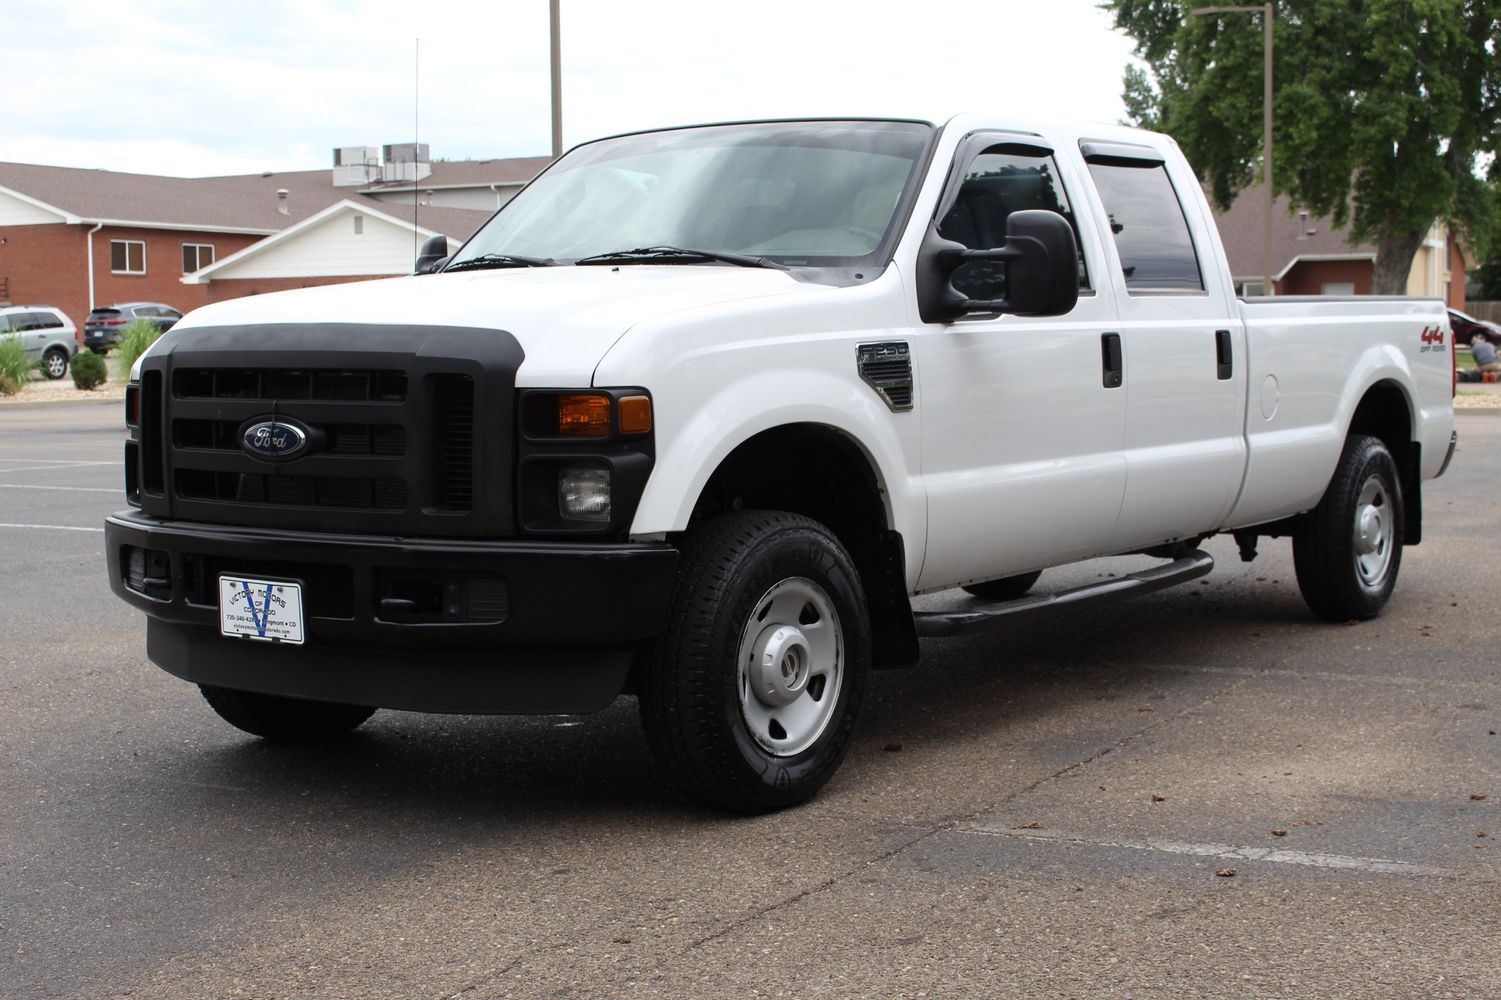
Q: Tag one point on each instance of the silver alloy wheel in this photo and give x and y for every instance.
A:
(57, 364)
(1375, 531)
(791, 666)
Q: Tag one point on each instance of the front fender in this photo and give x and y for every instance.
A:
(692, 442)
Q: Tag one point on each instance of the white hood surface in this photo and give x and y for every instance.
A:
(565, 317)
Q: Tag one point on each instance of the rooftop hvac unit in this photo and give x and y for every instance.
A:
(356, 166)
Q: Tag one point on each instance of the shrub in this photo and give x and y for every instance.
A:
(88, 370)
(15, 370)
(134, 339)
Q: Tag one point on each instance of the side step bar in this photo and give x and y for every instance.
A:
(948, 623)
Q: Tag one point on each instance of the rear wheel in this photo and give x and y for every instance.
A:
(286, 719)
(55, 363)
(1347, 550)
(750, 698)
(1005, 589)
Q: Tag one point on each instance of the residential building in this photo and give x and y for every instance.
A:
(76, 238)
(1311, 257)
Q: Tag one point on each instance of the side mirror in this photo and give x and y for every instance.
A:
(433, 251)
(1042, 270)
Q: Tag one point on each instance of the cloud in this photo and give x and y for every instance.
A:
(243, 86)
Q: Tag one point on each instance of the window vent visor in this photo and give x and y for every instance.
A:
(887, 368)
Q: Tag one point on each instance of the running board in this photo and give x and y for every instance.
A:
(950, 623)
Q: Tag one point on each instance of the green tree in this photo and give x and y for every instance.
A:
(1384, 110)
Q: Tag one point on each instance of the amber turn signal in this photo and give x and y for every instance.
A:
(635, 414)
(583, 415)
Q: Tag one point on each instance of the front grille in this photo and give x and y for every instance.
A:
(289, 384)
(340, 439)
(292, 491)
(453, 442)
(399, 421)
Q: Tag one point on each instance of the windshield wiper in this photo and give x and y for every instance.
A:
(667, 254)
(489, 260)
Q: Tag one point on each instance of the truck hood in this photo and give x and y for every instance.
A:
(565, 318)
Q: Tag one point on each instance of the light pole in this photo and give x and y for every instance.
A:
(557, 80)
(1266, 11)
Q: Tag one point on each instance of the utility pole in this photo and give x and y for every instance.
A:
(1267, 12)
(557, 80)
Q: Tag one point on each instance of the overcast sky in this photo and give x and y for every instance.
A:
(194, 89)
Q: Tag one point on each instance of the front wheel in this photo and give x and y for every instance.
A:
(287, 719)
(750, 698)
(1347, 549)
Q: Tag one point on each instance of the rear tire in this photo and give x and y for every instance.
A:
(1347, 550)
(1007, 588)
(750, 698)
(55, 363)
(286, 719)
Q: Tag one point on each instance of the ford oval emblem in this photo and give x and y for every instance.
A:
(273, 440)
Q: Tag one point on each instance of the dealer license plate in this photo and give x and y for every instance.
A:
(270, 610)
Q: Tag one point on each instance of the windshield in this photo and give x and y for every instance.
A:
(798, 193)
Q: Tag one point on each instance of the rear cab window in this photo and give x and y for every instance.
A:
(1146, 218)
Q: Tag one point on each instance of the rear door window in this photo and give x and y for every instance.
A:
(1151, 233)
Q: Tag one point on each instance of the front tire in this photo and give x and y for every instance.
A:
(749, 699)
(285, 719)
(1347, 550)
(55, 363)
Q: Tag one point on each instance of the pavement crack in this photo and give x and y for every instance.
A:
(506, 970)
(811, 890)
(956, 823)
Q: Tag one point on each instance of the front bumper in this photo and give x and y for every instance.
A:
(556, 636)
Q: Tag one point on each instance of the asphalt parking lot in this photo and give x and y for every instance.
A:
(1039, 812)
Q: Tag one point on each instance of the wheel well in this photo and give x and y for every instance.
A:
(815, 471)
(1384, 413)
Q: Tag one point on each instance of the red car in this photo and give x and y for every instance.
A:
(1466, 326)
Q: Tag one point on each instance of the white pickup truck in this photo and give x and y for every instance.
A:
(697, 412)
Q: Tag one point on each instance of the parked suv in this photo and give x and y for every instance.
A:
(46, 334)
(104, 325)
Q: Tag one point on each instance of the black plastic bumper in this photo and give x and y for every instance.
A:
(558, 640)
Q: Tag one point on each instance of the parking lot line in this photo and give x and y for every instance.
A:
(70, 489)
(50, 527)
(1228, 852)
(41, 465)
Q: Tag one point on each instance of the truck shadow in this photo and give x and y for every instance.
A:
(506, 770)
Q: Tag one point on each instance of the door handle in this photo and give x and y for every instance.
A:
(1110, 358)
(1224, 354)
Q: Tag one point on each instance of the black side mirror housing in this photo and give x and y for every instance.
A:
(434, 251)
(1042, 270)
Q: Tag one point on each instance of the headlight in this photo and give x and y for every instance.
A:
(584, 493)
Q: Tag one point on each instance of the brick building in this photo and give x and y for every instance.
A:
(76, 238)
(1311, 257)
